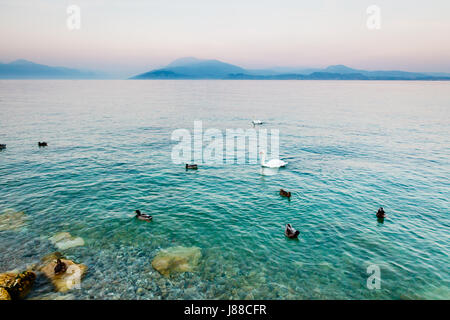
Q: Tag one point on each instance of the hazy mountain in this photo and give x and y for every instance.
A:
(193, 68)
(375, 75)
(183, 62)
(341, 69)
(437, 74)
(296, 76)
(23, 69)
(281, 70)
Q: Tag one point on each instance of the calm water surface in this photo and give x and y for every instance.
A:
(351, 146)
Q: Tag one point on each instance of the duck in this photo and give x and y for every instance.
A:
(274, 163)
(144, 217)
(257, 122)
(191, 166)
(380, 213)
(42, 144)
(60, 267)
(290, 232)
(2, 146)
(285, 193)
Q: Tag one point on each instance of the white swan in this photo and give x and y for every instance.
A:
(274, 163)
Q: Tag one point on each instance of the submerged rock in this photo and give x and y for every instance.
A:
(67, 280)
(176, 260)
(325, 265)
(12, 220)
(64, 240)
(55, 296)
(4, 295)
(16, 284)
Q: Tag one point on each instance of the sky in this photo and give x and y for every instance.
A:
(128, 37)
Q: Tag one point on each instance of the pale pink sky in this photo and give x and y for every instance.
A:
(132, 36)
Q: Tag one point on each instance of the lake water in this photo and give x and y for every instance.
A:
(351, 146)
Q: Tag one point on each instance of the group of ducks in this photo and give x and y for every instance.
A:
(289, 231)
(40, 144)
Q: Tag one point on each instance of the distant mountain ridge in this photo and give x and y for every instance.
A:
(24, 69)
(193, 68)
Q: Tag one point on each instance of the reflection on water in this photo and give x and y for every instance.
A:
(269, 171)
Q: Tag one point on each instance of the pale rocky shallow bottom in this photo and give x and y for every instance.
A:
(215, 278)
(350, 150)
(119, 271)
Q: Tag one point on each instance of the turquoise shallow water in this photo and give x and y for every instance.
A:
(351, 146)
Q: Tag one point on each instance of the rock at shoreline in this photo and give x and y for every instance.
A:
(4, 295)
(17, 285)
(71, 278)
(12, 220)
(176, 260)
(64, 240)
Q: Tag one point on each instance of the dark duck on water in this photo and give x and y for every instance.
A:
(290, 232)
(42, 144)
(191, 166)
(60, 267)
(2, 146)
(285, 194)
(142, 216)
(380, 213)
